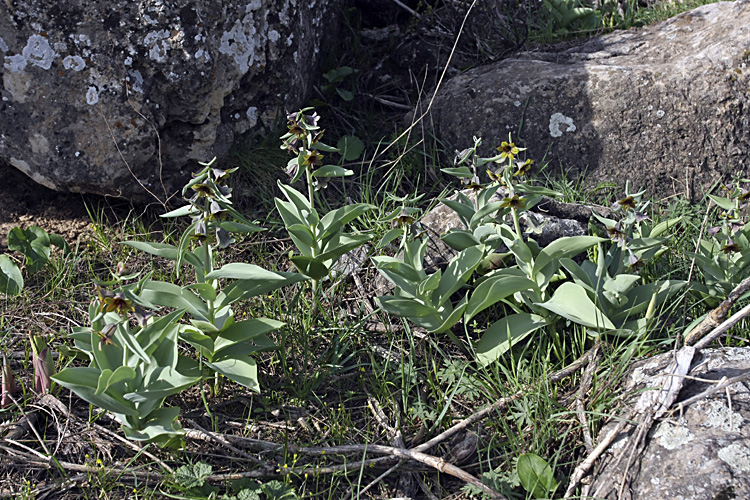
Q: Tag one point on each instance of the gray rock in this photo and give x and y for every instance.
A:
(665, 106)
(700, 452)
(170, 82)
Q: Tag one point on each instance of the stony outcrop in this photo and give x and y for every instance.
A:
(122, 98)
(666, 106)
(699, 451)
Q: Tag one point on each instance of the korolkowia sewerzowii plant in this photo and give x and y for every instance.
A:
(223, 344)
(320, 240)
(133, 369)
(723, 255)
(134, 363)
(535, 291)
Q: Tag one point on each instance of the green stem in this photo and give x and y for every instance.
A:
(516, 222)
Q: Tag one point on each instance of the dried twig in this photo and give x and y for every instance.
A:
(580, 407)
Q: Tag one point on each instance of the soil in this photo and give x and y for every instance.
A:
(26, 203)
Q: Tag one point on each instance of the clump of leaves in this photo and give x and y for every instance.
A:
(35, 245)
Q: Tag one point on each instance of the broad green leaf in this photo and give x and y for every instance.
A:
(183, 248)
(405, 307)
(572, 302)
(59, 242)
(332, 171)
(350, 147)
(249, 272)
(391, 235)
(33, 243)
(336, 219)
(621, 283)
(564, 248)
(159, 249)
(245, 330)
(171, 295)
(242, 371)
(180, 212)
(461, 172)
(458, 272)
(450, 317)
(495, 289)
(303, 238)
(459, 239)
(205, 291)
(345, 94)
(159, 425)
(301, 203)
(536, 475)
(342, 243)
(504, 334)
(199, 340)
(252, 281)
(11, 279)
(107, 355)
(725, 203)
(205, 326)
(108, 379)
(238, 227)
(84, 381)
(194, 475)
(309, 266)
(243, 349)
(483, 212)
(664, 226)
(465, 212)
(425, 287)
(289, 213)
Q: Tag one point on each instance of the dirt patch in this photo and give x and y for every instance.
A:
(26, 203)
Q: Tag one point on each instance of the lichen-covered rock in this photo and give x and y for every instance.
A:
(701, 451)
(122, 98)
(666, 106)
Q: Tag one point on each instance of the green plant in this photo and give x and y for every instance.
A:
(536, 475)
(335, 78)
(722, 256)
(320, 240)
(191, 480)
(35, 245)
(133, 368)
(426, 300)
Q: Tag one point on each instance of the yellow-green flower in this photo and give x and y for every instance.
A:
(508, 150)
(627, 203)
(312, 158)
(516, 202)
(524, 168)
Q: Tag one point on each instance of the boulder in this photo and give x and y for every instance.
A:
(666, 107)
(122, 98)
(699, 450)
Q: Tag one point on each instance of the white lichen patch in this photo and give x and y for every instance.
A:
(558, 119)
(252, 115)
(39, 144)
(274, 36)
(92, 96)
(38, 52)
(672, 436)
(736, 456)
(3, 45)
(158, 44)
(718, 415)
(16, 63)
(76, 63)
(240, 44)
